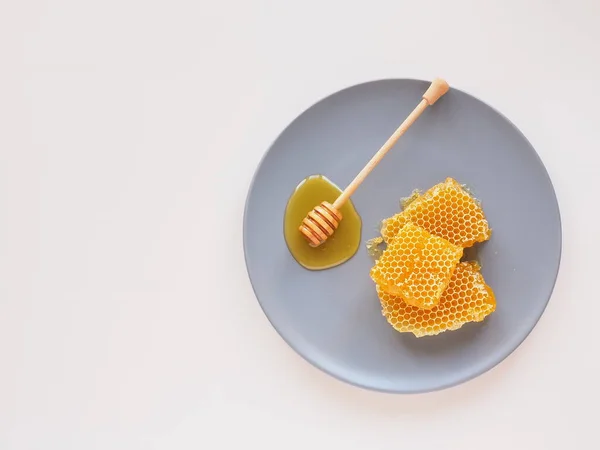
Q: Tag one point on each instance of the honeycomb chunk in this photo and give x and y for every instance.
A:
(417, 266)
(467, 299)
(445, 210)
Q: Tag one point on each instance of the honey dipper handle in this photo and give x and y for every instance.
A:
(437, 88)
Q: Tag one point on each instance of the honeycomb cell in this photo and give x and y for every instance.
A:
(476, 302)
(424, 270)
(446, 210)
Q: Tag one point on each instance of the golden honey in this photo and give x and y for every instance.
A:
(445, 210)
(417, 266)
(422, 286)
(466, 299)
(344, 242)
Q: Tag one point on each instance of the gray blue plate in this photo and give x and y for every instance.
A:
(333, 317)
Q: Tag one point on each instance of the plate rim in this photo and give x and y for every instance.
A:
(442, 386)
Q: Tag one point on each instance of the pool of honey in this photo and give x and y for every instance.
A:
(340, 247)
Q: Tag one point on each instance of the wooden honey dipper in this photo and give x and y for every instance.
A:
(324, 219)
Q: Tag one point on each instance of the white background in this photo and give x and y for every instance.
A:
(129, 132)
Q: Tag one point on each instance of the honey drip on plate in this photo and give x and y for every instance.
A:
(340, 247)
